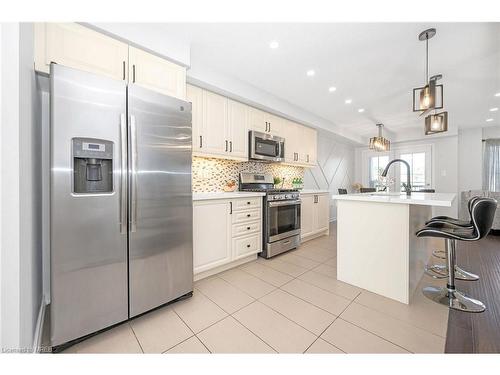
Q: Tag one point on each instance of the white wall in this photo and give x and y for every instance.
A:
(335, 167)
(470, 159)
(21, 293)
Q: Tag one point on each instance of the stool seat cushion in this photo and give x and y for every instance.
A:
(448, 232)
(449, 220)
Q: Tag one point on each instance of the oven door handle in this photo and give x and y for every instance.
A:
(284, 203)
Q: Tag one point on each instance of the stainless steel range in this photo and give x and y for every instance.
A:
(281, 213)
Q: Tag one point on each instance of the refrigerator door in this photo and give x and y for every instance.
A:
(88, 256)
(160, 219)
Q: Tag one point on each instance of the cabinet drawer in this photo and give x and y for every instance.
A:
(245, 246)
(248, 228)
(244, 204)
(245, 216)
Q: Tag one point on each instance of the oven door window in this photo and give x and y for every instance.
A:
(282, 219)
(266, 147)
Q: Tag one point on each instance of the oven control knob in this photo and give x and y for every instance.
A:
(287, 196)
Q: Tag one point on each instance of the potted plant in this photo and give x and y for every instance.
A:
(277, 181)
(297, 183)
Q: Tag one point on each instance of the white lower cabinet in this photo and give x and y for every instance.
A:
(211, 230)
(224, 232)
(315, 214)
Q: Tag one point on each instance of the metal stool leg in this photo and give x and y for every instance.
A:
(438, 271)
(449, 296)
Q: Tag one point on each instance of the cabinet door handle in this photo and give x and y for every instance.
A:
(248, 215)
(248, 228)
(133, 73)
(248, 202)
(248, 245)
(308, 158)
(226, 145)
(124, 70)
(230, 208)
(230, 146)
(269, 126)
(201, 141)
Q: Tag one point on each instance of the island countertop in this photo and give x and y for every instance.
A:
(425, 199)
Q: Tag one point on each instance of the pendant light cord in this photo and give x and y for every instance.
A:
(426, 58)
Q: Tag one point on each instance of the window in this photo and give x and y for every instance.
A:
(377, 165)
(491, 165)
(417, 168)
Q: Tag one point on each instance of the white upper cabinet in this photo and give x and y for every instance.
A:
(308, 148)
(81, 48)
(258, 120)
(195, 96)
(237, 120)
(221, 126)
(157, 74)
(265, 122)
(292, 134)
(214, 125)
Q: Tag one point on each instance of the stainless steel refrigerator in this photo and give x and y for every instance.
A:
(121, 204)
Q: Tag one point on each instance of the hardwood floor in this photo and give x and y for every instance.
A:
(478, 333)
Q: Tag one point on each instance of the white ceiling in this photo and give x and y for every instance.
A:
(374, 64)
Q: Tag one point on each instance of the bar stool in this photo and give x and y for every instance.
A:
(482, 214)
(438, 271)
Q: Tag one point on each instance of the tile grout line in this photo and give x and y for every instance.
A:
(338, 317)
(194, 334)
(132, 328)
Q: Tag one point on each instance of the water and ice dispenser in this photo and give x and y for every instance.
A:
(92, 166)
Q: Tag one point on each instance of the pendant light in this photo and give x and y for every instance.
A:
(379, 143)
(425, 98)
(436, 123)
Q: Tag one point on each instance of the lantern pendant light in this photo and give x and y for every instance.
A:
(379, 143)
(425, 98)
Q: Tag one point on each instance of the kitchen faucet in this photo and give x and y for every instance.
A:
(407, 186)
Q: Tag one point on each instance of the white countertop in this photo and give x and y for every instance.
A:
(425, 199)
(225, 195)
(313, 191)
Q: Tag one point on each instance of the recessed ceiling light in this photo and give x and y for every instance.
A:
(489, 120)
(493, 109)
(332, 89)
(348, 101)
(361, 110)
(274, 44)
(497, 94)
(310, 72)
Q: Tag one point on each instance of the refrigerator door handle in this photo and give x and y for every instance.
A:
(123, 174)
(133, 174)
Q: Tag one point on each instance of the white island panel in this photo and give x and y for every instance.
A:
(377, 248)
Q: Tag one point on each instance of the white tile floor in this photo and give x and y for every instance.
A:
(292, 303)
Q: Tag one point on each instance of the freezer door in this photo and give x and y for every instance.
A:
(160, 219)
(88, 256)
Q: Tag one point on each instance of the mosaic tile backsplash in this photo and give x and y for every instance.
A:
(212, 174)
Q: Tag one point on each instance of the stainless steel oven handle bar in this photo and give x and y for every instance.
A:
(284, 203)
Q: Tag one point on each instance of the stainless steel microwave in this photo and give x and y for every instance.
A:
(266, 147)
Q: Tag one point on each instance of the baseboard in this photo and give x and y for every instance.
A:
(37, 339)
(224, 267)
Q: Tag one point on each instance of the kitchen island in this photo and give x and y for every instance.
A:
(377, 248)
